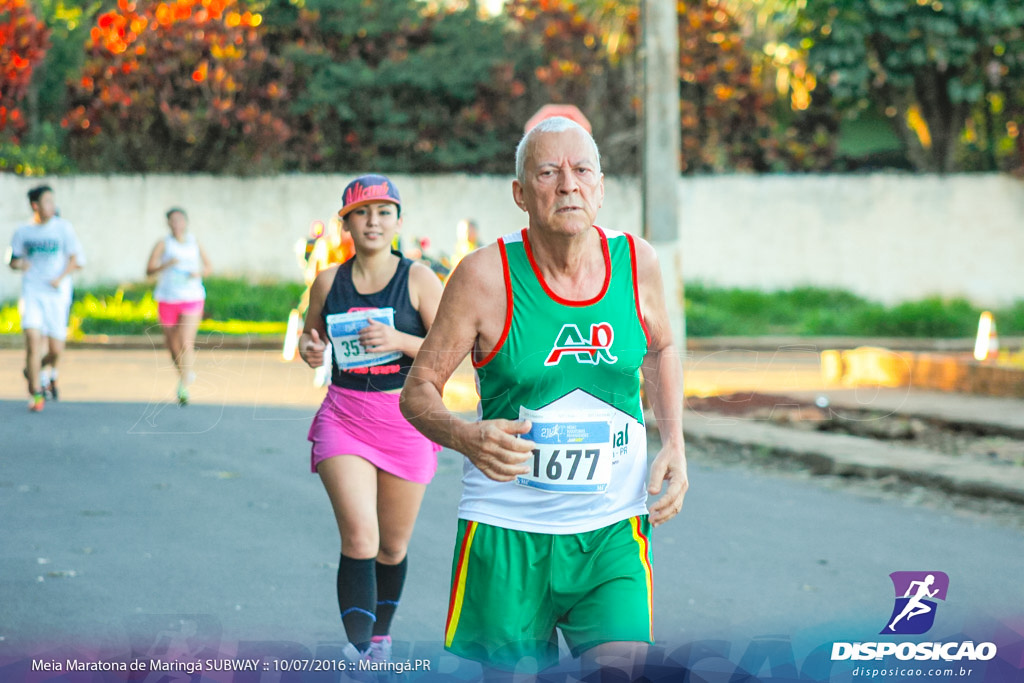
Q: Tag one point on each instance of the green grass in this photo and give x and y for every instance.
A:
(240, 307)
(810, 311)
(240, 300)
(232, 307)
(226, 299)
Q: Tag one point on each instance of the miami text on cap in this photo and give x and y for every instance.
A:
(368, 189)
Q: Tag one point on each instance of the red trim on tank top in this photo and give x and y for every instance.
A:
(508, 307)
(636, 287)
(568, 302)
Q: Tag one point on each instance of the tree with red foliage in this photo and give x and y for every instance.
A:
(23, 44)
(724, 97)
(587, 57)
(591, 60)
(177, 85)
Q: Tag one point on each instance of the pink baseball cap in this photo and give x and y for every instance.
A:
(368, 189)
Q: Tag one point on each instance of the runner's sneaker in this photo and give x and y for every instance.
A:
(353, 670)
(182, 394)
(36, 403)
(357, 666)
(380, 649)
(352, 654)
(51, 389)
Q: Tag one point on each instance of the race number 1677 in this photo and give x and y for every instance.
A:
(567, 463)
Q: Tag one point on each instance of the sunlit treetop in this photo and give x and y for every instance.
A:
(182, 73)
(24, 40)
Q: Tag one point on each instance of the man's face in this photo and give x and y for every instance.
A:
(46, 207)
(563, 189)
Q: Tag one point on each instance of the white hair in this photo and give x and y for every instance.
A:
(555, 124)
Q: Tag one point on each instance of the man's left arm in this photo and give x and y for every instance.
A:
(663, 382)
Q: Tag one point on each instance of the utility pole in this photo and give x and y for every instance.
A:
(661, 149)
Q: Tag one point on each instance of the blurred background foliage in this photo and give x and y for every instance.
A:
(270, 86)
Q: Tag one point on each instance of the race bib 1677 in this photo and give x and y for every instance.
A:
(573, 451)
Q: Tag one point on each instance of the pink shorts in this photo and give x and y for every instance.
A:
(370, 425)
(170, 312)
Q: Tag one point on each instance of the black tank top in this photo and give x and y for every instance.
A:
(343, 298)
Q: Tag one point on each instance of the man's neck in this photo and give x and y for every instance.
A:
(572, 266)
(564, 254)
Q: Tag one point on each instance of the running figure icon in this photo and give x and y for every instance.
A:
(915, 607)
(917, 594)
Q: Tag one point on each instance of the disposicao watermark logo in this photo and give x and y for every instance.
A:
(916, 593)
(913, 614)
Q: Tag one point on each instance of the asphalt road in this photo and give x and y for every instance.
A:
(127, 524)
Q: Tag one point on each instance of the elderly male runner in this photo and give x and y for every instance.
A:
(553, 525)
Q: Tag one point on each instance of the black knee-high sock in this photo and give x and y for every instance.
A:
(357, 599)
(390, 579)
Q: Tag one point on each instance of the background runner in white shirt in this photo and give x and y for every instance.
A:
(47, 251)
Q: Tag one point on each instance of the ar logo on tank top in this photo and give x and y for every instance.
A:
(591, 351)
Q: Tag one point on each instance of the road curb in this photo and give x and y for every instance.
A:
(852, 456)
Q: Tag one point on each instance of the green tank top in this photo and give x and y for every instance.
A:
(552, 346)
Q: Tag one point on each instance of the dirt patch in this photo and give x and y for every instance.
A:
(980, 442)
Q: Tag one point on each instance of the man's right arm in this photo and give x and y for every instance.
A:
(17, 262)
(467, 308)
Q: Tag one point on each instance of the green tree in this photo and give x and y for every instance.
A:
(395, 86)
(940, 70)
(69, 22)
(806, 127)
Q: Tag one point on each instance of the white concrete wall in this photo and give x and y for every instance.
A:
(886, 237)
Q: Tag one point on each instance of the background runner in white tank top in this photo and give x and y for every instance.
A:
(181, 282)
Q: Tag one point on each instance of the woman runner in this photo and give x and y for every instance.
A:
(374, 310)
(180, 264)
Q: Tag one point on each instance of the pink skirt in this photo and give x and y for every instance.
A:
(369, 424)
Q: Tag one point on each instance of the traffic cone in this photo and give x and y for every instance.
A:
(986, 345)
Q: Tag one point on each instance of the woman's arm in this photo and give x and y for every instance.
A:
(155, 257)
(313, 341)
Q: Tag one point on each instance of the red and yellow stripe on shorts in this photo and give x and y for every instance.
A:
(459, 585)
(644, 546)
